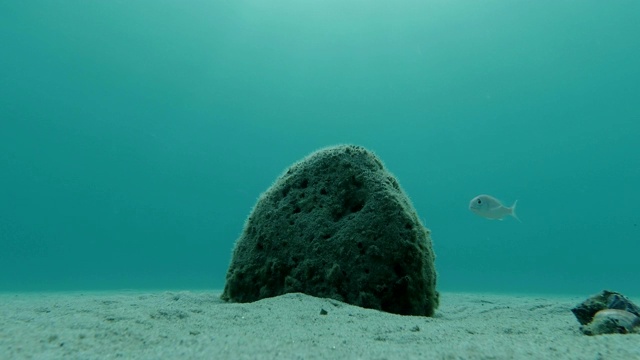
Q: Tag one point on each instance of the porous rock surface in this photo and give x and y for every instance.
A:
(336, 225)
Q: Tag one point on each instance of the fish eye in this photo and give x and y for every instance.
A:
(479, 201)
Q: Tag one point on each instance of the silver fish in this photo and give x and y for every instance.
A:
(491, 208)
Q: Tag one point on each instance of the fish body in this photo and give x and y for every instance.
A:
(491, 208)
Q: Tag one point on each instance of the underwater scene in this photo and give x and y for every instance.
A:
(137, 136)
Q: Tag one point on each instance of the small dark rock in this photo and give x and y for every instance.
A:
(586, 310)
(323, 312)
(608, 312)
(612, 321)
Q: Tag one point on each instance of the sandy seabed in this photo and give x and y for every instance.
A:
(198, 325)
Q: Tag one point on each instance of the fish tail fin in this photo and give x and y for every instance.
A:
(513, 211)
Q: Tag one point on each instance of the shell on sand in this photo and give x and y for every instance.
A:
(606, 299)
(612, 321)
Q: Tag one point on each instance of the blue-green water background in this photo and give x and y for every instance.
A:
(135, 136)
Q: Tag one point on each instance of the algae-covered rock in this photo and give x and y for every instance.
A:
(338, 225)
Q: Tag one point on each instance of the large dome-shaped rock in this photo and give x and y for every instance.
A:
(336, 225)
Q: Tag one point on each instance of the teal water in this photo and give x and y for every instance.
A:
(135, 136)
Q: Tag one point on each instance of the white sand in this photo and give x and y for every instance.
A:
(197, 325)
